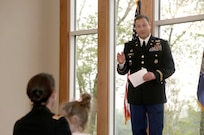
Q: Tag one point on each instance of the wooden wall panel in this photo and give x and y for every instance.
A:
(64, 51)
(103, 70)
(147, 9)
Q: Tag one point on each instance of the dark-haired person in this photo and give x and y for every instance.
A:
(152, 54)
(77, 113)
(40, 120)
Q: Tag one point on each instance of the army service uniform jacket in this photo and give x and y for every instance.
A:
(156, 58)
(40, 121)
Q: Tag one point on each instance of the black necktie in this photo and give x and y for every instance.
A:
(143, 46)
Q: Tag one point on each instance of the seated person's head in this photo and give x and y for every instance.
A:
(77, 112)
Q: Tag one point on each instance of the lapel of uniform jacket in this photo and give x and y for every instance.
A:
(150, 42)
(137, 44)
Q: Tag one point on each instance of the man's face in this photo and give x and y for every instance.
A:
(142, 28)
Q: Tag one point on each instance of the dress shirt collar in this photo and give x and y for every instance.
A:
(146, 40)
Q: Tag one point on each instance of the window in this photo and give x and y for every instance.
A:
(176, 8)
(182, 24)
(83, 66)
(125, 12)
(86, 14)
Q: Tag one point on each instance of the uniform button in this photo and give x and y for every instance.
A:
(156, 55)
(142, 62)
(142, 56)
(155, 61)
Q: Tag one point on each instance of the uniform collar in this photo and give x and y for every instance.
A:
(146, 40)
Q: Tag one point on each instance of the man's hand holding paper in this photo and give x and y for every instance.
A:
(137, 77)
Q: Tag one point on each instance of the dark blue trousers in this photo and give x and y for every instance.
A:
(143, 116)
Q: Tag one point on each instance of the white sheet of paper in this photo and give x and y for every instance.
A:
(137, 77)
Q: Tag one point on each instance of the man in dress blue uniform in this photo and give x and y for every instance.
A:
(147, 99)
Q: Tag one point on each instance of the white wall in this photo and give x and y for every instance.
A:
(29, 44)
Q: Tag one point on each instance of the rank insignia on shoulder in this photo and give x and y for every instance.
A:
(57, 117)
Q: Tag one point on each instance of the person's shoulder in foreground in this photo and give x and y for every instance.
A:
(40, 120)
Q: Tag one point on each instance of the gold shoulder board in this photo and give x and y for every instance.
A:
(57, 117)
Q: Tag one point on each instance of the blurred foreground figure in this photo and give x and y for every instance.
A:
(40, 120)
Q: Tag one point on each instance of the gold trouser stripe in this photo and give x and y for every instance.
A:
(161, 75)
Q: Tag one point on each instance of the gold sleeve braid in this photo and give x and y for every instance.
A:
(161, 75)
(122, 70)
(57, 117)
